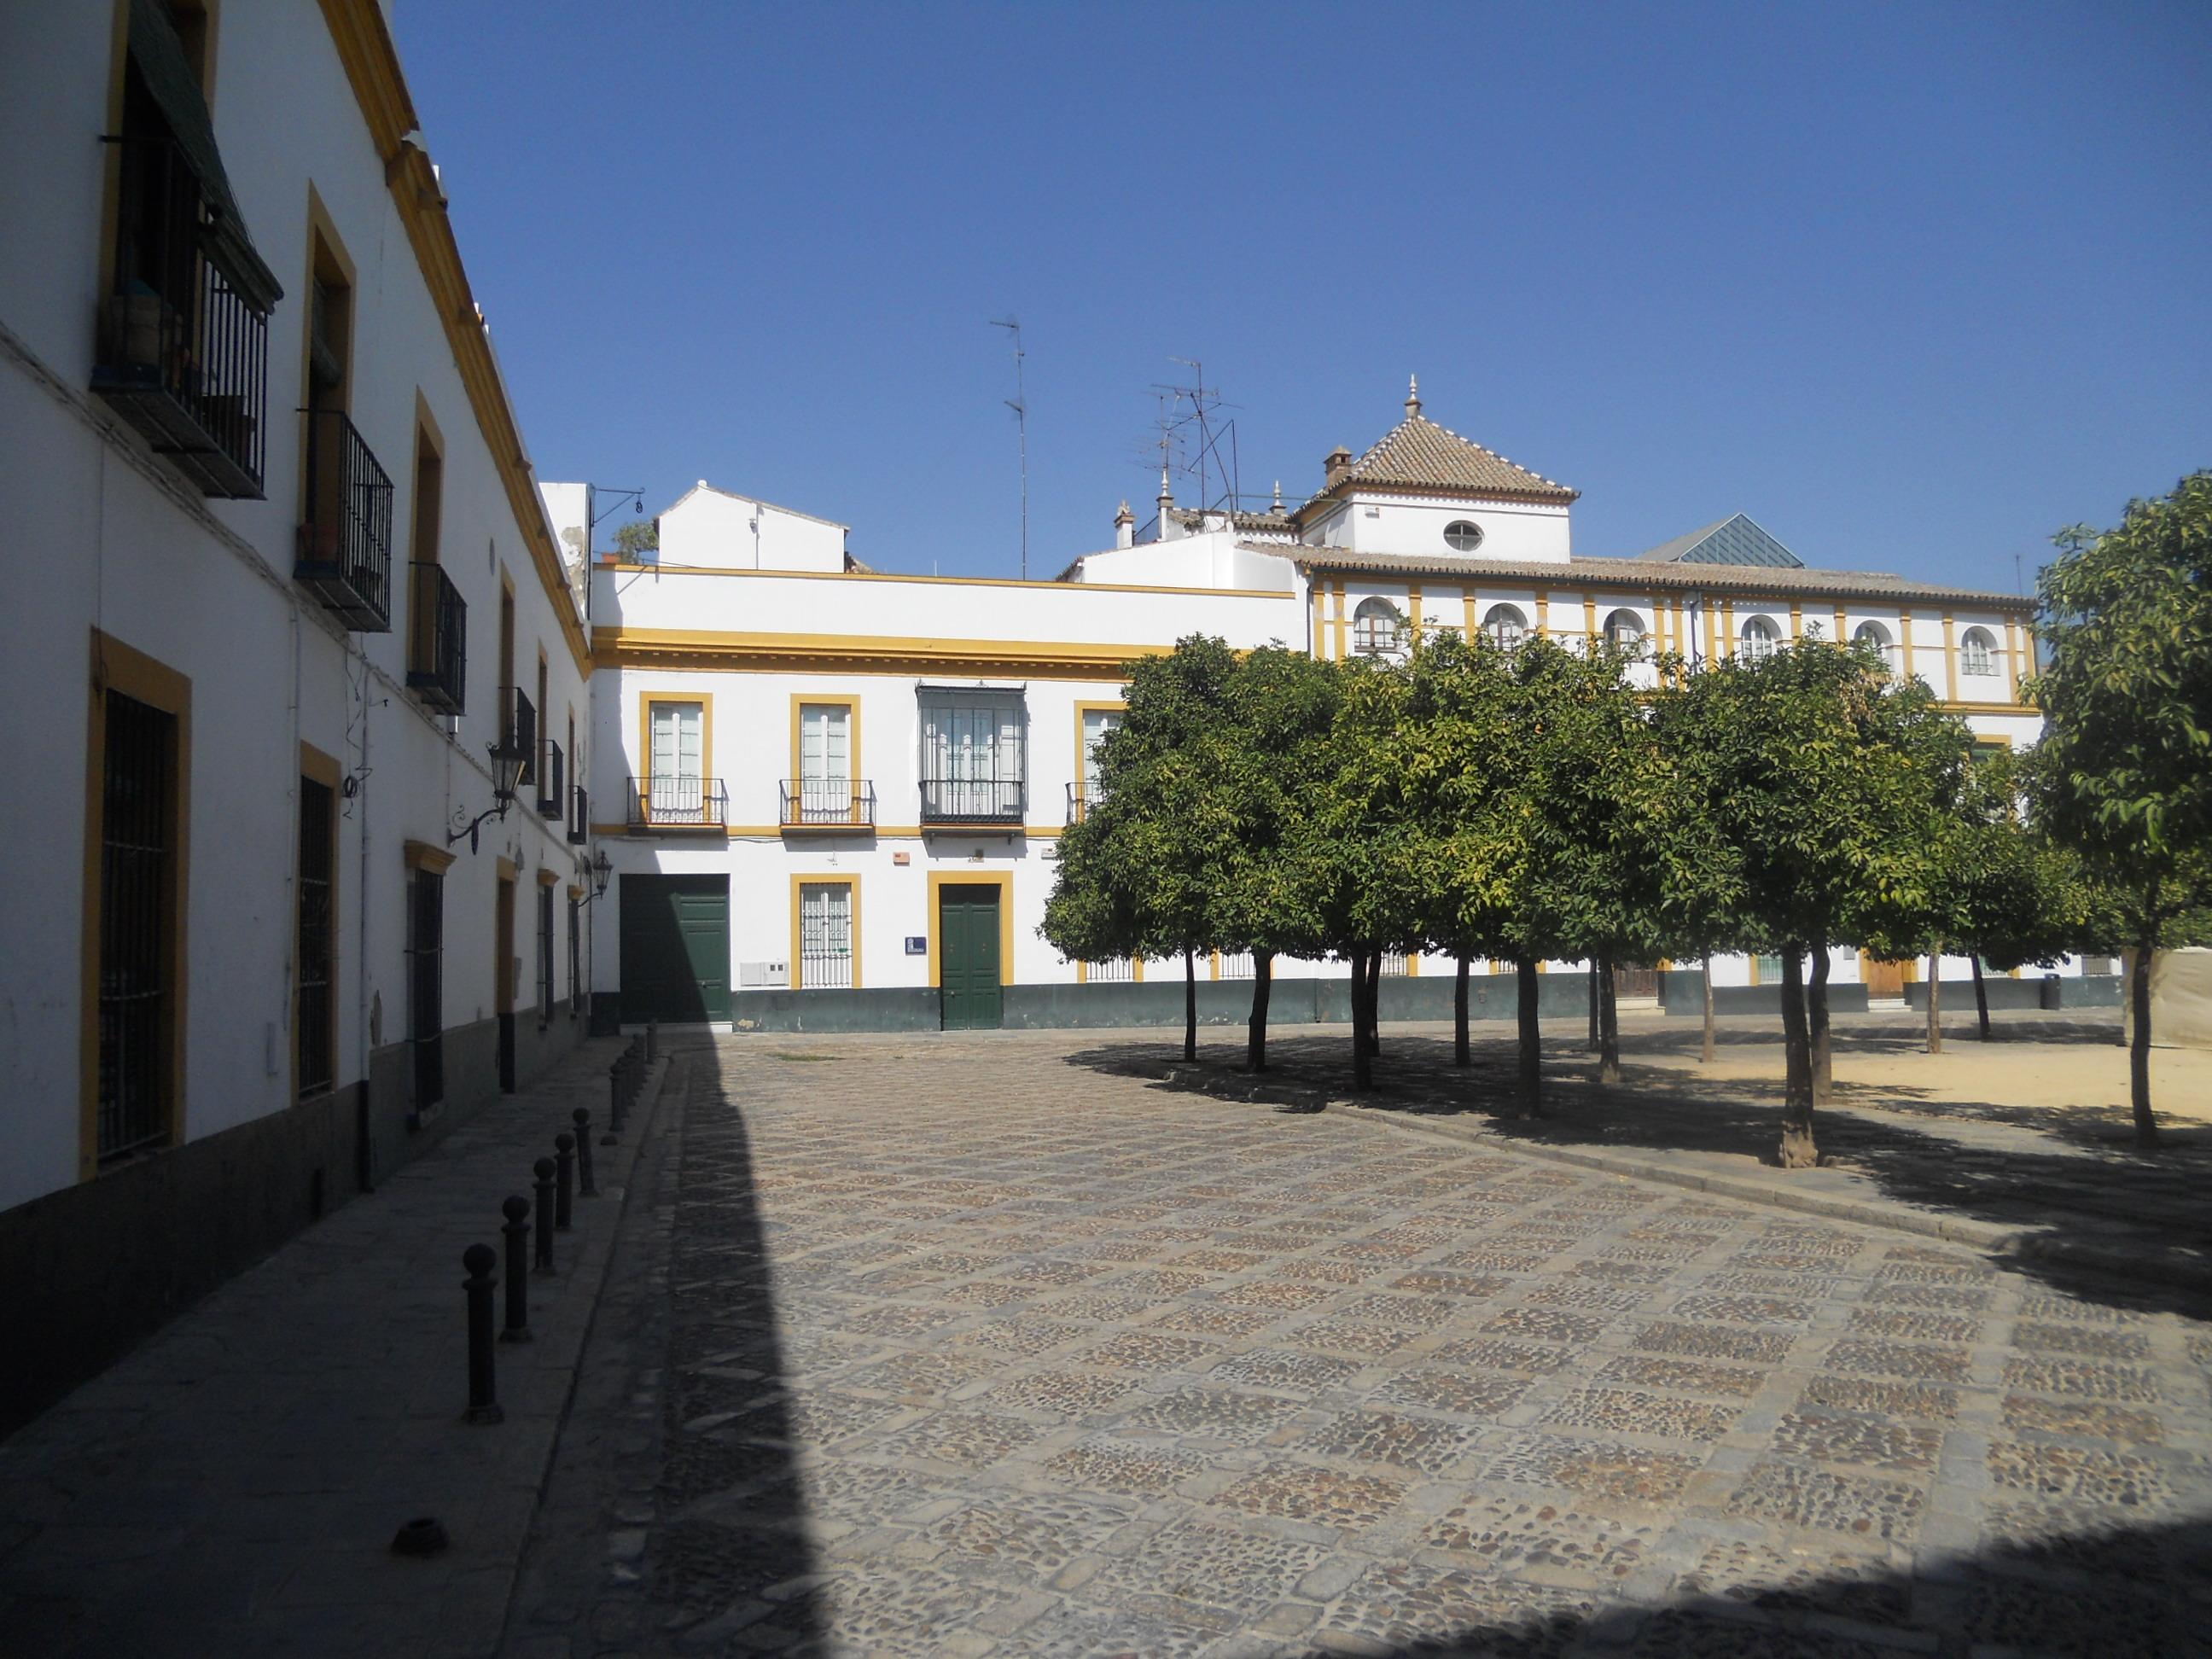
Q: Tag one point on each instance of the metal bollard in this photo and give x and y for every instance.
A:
(517, 1212)
(543, 1171)
(564, 1158)
(586, 1187)
(483, 1403)
(614, 1113)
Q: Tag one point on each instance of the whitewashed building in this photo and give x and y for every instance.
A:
(841, 790)
(284, 585)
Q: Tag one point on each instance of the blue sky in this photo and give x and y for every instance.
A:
(1913, 286)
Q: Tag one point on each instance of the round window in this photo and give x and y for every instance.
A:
(1463, 535)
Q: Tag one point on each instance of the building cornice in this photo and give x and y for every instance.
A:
(372, 65)
(1054, 586)
(853, 654)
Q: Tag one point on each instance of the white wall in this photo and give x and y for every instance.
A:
(711, 529)
(1415, 526)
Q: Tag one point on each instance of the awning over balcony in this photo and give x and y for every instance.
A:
(168, 76)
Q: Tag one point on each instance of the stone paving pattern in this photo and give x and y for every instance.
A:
(960, 1349)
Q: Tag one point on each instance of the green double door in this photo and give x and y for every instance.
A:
(968, 967)
(675, 949)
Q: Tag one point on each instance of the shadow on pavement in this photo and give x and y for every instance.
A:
(2093, 1592)
(729, 1503)
(2101, 1184)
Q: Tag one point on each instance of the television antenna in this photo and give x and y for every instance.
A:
(1020, 404)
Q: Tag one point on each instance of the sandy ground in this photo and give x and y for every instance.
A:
(2064, 1063)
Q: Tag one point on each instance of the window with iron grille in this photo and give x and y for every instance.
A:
(312, 1012)
(575, 957)
(1394, 965)
(137, 927)
(825, 934)
(974, 756)
(1117, 970)
(426, 985)
(545, 953)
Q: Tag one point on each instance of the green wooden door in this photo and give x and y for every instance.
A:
(675, 948)
(968, 956)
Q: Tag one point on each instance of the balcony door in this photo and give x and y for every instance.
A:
(676, 766)
(972, 758)
(826, 762)
(1097, 723)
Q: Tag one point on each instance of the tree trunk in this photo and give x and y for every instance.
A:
(1981, 998)
(1461, 1053)
(1797, 1151)
(1705, 1055)
(1263, 988)
(1816, 1025)
(1531, 1075)
(1189, 1004)
(1591, 1040)
(2139, 1046)
(1608, 1025)
(1374, 1003)
(1363, 1064)
(1936, 998)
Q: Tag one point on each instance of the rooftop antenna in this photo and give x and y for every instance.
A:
(1020, 404)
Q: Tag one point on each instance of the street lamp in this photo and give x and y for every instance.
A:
(508, 761)
(601, 870)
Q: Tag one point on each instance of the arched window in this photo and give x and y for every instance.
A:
(1377, 630)
(1872, 634)
(1758, 640)
(1463, 535)
(1624, 631)
(1504, 625)
(1978, 652)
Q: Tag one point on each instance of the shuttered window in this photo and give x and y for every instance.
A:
(679, 733)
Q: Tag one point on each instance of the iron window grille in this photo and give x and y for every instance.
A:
(825, 936)
(1237, 964)
(677, 802)
(975, 754)
(552, 789)
(974, 800)
(1119, 970)
(183, 352)
(316, 950)
(827, 802)
(579, 817)
(138, 924)
(1393, 965)
(518, 731)
(575, 957)
(344, 552)
(545, 954)
(438, 640)
(426, 985)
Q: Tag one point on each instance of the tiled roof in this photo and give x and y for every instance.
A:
(1651, 576)
(1418, 454)
(1191, 518)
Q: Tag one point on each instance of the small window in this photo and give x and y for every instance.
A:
(1463, 535)
(1872, 634)
(1377, 630)
(426, 944)
(1505, 625)
(1759, 640)
(825, 934)
(1624, 631)
(545, 954)
(1978, 652)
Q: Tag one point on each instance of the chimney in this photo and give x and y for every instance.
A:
(1334, 466)
(1169, 529)
(1125, 526)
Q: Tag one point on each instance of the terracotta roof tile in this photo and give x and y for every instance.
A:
(1417, 453)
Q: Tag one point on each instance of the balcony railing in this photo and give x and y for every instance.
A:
(973, 800)
(579, 817)
(1081, 798)
(678, 803)
(345, 546)
(518, 729)
(184, 357)
(552, 790)
(438, 640)
(827, 803)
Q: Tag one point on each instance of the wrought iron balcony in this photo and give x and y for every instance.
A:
(437, 640)
(184, 356)
(345, 545)
(1081, 798)
(827, 803)
(579, 817)
(983, 801)
(678, 803)
(518, 729)
(552, 790)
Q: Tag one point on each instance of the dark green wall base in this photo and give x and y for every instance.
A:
(2032, 989)
(900, 1008)
(95, 1268)
(1681, 992)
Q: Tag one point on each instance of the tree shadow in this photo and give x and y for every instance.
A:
(2089, 1591)
(2087, 1186)
(729, 1504)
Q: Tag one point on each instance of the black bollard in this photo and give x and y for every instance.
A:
(586, 1187)
(517, 1212)
(614, 1113)
(564, 1158)
(544, 1169)
(483, 1403)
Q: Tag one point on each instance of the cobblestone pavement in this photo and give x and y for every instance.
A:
(962, 1349)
